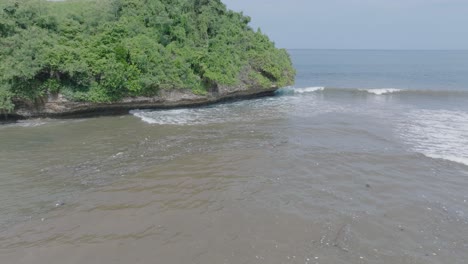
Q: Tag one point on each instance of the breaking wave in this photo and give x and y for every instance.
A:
(371, 91)
(440, 134)
(308, 89)
(382, 91)
(435, 133)
(238, 111)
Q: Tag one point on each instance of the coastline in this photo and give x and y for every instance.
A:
(57, 106)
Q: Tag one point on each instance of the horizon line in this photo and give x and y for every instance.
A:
(376, 49)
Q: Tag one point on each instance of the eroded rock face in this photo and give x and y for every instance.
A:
(59, 106)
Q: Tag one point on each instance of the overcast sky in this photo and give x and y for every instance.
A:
(360, 24)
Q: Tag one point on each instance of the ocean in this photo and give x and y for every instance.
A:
(363, 160)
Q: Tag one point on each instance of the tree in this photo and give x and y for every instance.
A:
(104, 50)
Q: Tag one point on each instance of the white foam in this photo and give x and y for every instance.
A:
(308, 89)
(240, 111)
(381, 91)
(141, 115)
(28, 123)
(450, 158)
(176, 116)
(440, 134)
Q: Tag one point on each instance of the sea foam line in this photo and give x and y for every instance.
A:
(308, 89)
(377, 91)
(381, 91)
(460, 160)
(140, 114)
(439, 134)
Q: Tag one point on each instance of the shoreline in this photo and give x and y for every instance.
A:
(58, 107)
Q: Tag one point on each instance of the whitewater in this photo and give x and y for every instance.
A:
(363, 160)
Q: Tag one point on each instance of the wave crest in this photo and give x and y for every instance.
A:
(381, 91)
(440, 134)
(372, 91)
(308, 89)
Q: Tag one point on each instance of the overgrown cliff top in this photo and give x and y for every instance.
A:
(104, 50)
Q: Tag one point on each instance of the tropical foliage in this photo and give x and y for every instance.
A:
(104, 50)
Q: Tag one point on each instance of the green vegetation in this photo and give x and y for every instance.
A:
(104, 50)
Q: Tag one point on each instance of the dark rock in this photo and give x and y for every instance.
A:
(60, 107)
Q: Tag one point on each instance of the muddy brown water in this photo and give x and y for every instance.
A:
(282, 189)
(312, 175)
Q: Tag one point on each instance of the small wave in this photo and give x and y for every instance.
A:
(26, 123)
(381, 91)
(450, 158)
(439, 134)
(239, 111)
(292, 90)
(34, 123)
(373, 91)
(175, 116)
(141, 114)
(308, 89)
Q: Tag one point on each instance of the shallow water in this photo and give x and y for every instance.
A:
(315, 174)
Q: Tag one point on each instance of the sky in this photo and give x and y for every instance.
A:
(360, 24)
